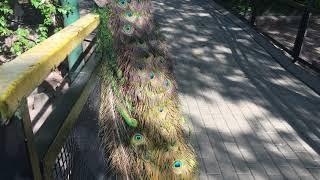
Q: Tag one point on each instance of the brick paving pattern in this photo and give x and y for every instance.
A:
(251, 119)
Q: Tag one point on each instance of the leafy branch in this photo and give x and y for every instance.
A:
(5, 11)
(49, 10)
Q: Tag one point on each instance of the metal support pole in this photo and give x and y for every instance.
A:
(69, 18)
(302, 31)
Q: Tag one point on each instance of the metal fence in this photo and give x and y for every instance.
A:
(293, 25)
(80, 157)
(65, 162)
(74, 153)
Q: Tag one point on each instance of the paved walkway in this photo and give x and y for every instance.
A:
(251, 118)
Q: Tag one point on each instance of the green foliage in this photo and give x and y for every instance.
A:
(22, 42)
(48, 11)
(317, 2)
(5, 11)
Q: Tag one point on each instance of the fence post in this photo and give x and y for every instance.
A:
(18, 154)
(302, 31)
(29, 139)
(253, 12)
(68, 19)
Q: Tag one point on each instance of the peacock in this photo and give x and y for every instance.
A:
(141, 125)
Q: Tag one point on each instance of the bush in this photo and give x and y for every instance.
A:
(17, 36)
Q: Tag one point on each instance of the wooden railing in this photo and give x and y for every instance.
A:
(22, 75)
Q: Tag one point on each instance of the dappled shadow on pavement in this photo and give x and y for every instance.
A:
(251, 118)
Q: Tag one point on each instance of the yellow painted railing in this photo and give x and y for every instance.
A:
(21, 76)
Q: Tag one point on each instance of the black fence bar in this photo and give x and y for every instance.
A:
(253, 12)
(302, 31)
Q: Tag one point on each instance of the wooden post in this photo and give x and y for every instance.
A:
(29, 139)
(14, 155)
(68, 19)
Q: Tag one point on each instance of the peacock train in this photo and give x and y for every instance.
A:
(141, 125)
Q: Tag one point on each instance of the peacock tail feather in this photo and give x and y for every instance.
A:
(141, 124)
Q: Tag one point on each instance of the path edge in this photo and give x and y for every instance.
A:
(278, 54)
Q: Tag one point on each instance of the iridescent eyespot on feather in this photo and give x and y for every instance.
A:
(166, 83)
(128, 29)
(177, 164)
(137, 139)
(152, 75)
(129, 14)
(122, 3)
(139, 5)
(141, 42)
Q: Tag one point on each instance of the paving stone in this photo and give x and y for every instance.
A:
(202, 137)
(299, 168)
(315, 172)
(214, 177)
(203, 177)
(248, 154)
(288, 172)
(211, 165)
(237, 159)
(276, 177)
(261, 153)
(276, 138)
(296, 146)
(229, 175)
(270, 167)
(225, 164)
(214, 137)
(258, 171)
(307, 160)
(202, 169)
(245, 177)
(287, 152)
(276, 155)
(206, 150)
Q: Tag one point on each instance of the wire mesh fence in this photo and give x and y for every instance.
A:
(65, 162)
(81, 157)
(72, 163)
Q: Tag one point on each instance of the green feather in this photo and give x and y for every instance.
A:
(129, 121)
